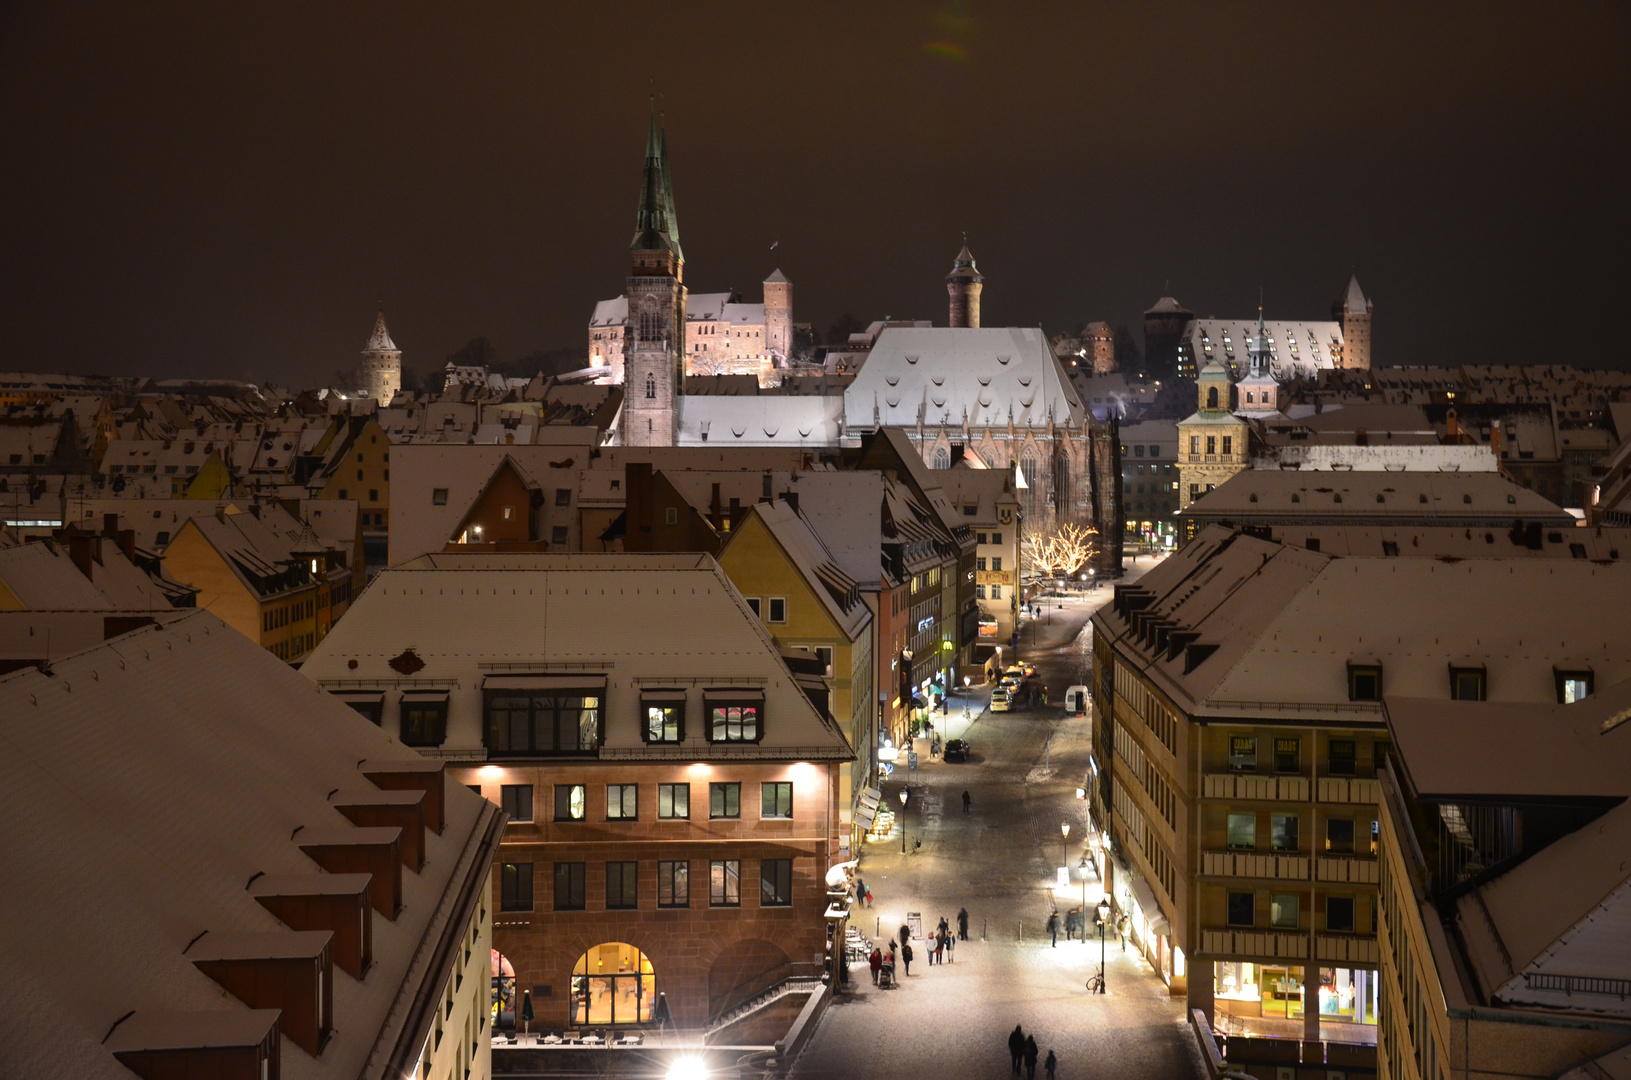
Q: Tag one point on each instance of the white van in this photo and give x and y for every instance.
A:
(1076, 701)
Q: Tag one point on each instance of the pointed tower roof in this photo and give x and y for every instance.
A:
(380, 339)
(1168, 306)
(777, 278)
(1258, 347)
(963, 268)
(656, 228)
(1354, 299)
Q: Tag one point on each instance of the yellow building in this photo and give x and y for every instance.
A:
(1212, 441)
(261, 572)
(807, 602)
(359, 468)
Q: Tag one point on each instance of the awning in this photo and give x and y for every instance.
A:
(362, 697)
(870, 797)
(1148, 907)
(423, 697)
(587, 681)
(747, 697)
(662, 695)
(865, 815)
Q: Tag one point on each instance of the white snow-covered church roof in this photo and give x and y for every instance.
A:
(1307, 345)
(984, 377)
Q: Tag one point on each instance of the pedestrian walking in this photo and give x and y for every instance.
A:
(1053, 928)
(966, 801)
(951, 947)
(1044, 695)
(906, 957)
(1016, 1047)
(869, 897)
(937, 954)
(1051, 1064)
(860, 890)
(962, 923)
(1030, 1057)
(875, 961)
(1121, 930)
(905, 934)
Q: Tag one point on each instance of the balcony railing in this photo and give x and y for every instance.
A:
(1253, 786)
(1267, 944)
(1354, 869)
(1346, 950)
(1255, 864)
(1348, 789)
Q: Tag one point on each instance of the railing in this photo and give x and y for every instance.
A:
(1353, 869)
(1348, 789)
(1264, 943)
(1345, 949)
(1254, 786)
(1287, 867)
(796, 984)
(1578, 984)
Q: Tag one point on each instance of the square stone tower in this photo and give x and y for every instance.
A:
(654, 368)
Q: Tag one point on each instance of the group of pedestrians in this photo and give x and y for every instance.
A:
(942, 943)
(1022, 1050)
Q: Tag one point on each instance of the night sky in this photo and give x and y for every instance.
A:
(230, 189)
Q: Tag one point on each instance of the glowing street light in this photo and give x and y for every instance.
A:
(903, 821)
(1064, 845)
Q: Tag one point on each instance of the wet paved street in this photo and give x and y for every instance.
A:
(952, 1020)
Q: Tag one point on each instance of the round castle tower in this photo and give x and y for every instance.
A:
(381, 364)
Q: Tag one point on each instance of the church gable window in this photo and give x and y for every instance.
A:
(651, 387)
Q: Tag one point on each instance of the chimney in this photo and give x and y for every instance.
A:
(791, 498)
(110, 525)
(82, 549)
(637, 506)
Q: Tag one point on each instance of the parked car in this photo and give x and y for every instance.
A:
(1000, 700)
(957, 750)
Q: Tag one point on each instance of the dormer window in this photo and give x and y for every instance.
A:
(1364, 682)
(1574, 686)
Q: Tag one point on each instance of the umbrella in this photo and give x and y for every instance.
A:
(526, 1011)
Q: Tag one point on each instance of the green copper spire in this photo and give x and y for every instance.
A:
(656, 228)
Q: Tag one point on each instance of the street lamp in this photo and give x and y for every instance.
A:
(1082, 868)
(1104, 918)
(903, 821)
(1064, 844)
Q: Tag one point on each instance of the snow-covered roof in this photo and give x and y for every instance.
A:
(814, 421)
(1304, 344)
(985, 377)
(380, 339)
(140, 835)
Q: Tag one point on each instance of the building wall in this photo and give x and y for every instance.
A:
(655, 365)
(285, 624)
(705, 958)
(363, 474)
(460, 1045)
(997, 588)
(1199, 471)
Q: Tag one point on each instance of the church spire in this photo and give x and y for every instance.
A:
(656, 228)
(1258, 347)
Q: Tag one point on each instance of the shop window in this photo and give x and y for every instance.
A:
(1339, 914)
(1283, 914)
(1288, 755)
(515, 887)
(673, 884)
(776, 799)
(1364, 682)
(516, 799)
(569, 892)
(776, 883)
(1242, 909)
(1242, 753)
(1283, 832)
(673, 801)
(1339, 835)
(622, 802)
(612, 984)
(1573, 686)
(1466, 684)
(1344, 757)
(571, 802)
(725, 883)
(1243, 831)
(725, 800)
(622, 886)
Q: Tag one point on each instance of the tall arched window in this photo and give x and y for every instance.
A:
(1027, 466)
(651, 387)
(942, 458)
(1211, 397)
(613, 984)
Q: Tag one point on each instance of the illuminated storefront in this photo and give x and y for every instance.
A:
(1247, 989)
(613, 984)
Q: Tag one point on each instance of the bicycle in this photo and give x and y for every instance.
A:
(1095, 985)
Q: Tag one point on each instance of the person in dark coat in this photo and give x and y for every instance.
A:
(1016, 1047)
(905, 934)
(875, 961)
(1030, 1057)
(962, 924)
(1051, 1064)
(1053, 928)
(966, 801)
(906, 957)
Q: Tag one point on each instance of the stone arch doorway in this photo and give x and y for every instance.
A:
(742, 970)
(612, 983)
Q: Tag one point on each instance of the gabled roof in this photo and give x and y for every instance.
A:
(984, 377)
(839, 593)
(141, 835)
